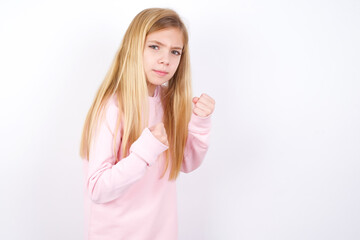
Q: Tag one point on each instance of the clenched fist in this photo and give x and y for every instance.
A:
(160, 133)
(204, 105)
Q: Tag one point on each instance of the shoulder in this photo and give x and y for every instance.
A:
(112, 103)
(111, 106)
(111, 112)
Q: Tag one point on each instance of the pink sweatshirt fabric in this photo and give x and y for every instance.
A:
(128, 200)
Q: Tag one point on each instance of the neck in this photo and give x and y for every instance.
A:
(151, 89)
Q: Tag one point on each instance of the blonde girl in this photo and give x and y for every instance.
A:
(142, 129)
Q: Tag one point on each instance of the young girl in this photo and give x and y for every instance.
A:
(142, 129)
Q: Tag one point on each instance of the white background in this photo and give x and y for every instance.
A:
(284, 161)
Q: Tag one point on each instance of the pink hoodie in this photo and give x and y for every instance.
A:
(128, 200)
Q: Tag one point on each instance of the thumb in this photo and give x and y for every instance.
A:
(195, 100)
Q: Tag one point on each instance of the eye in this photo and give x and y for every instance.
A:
(154, 47)
(176, 52)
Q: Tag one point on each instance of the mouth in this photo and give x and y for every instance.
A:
(160, 73)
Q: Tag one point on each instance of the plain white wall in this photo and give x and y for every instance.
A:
(284, 161)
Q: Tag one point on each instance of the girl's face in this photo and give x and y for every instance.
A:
(162, 53)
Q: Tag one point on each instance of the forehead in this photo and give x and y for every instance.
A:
(168, 36)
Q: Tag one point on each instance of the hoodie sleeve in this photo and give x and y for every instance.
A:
(106, 180)
(197, 143)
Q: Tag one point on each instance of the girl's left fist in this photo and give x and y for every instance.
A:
(204, 105)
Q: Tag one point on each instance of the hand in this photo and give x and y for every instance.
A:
(204, 105)
(160, 133)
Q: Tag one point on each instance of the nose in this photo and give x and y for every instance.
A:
(164, 59)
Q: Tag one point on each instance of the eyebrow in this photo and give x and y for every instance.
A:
(161, 44)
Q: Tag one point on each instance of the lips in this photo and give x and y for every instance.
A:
(160, 73)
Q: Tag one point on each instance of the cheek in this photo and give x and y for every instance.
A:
(176, 64)
(147, 60)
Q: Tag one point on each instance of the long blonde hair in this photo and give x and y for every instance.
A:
(126, 80)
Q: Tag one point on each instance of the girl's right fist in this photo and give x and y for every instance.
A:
(160, 133)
